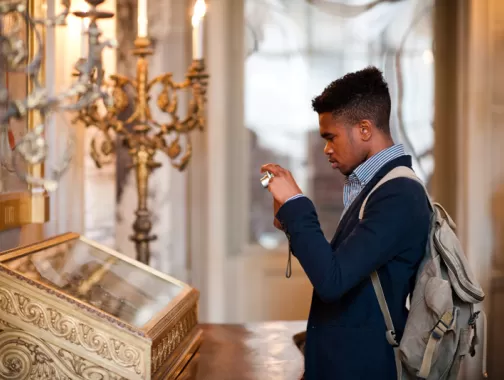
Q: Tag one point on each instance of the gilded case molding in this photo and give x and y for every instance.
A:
(66, 327)
(25, 356)
(168, 343)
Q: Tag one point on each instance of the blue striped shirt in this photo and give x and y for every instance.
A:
(361, 176)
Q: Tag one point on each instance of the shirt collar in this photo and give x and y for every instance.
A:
(367, 170)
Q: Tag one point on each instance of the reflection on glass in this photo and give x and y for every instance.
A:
(297, 47)
(116, 287)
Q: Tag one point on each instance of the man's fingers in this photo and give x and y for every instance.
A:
(272, 168)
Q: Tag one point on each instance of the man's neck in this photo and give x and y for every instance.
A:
(379, 146)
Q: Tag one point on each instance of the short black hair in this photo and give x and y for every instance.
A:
(362, 95)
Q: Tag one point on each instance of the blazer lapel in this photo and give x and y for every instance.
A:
(346, 218)
(351, 211)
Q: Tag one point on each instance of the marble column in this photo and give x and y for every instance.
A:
(169, 30)
(218, 212)
(496, 202)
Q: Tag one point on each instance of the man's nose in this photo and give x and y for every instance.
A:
(328, 149)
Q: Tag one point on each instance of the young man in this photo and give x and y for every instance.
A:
(346, 332)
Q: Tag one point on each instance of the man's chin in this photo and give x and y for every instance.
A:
(344, 171)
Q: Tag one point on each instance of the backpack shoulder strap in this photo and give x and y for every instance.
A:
(400, 171)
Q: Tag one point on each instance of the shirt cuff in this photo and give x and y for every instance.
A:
(294, 197)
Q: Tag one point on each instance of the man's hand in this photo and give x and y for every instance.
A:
(282, 186)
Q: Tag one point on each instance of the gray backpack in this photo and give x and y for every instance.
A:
(441, 327)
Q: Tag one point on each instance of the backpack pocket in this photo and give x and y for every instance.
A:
(431, 305)
(438, 296)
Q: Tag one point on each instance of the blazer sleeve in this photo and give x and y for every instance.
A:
(397, 216)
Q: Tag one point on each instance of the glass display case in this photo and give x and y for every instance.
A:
(72, 309)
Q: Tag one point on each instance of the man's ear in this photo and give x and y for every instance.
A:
(365, 130)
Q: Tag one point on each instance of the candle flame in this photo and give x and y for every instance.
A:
(198, 12)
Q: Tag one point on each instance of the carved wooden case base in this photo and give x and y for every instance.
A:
(71, 309)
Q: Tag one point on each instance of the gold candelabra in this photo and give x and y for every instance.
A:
(147, 136)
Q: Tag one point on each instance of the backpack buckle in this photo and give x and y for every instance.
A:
(474, 340)
(443, 325)
(473, 318)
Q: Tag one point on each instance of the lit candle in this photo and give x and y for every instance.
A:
(142, 18)
(197, 23)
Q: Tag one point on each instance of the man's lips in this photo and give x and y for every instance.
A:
(334, 164)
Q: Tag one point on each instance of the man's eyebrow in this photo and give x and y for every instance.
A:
(327, 135)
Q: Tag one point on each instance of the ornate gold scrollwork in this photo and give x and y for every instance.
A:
(25, 356)
(171, 341)
(70, 329)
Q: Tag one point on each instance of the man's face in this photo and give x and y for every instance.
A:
(344, 146)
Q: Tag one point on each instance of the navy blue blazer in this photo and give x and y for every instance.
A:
(346, 330)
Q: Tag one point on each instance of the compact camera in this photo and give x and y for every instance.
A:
(266, 179)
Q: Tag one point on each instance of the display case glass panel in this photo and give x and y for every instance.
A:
(101, 279)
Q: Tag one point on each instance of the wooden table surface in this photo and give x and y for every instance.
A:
(264, 351)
